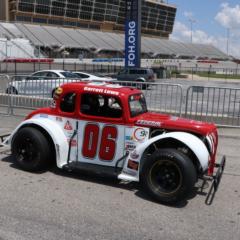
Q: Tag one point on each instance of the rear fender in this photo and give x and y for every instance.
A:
(135, 158)
(54, 131)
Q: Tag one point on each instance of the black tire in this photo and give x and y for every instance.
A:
(141, 85)
(11, 90)
(31, 150)
(168, 176)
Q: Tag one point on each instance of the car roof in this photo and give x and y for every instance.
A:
(142, 68)
(52, 70)
(83, 73)
(101, 88)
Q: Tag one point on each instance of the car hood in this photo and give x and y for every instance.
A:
(174, 123)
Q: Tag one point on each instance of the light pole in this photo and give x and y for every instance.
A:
(228, 35)
(191, 20)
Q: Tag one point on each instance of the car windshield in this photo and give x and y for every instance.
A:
(69, 75)
(137, 104)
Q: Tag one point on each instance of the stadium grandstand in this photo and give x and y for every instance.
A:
(90, 29)
(109, 15)
(52, 41)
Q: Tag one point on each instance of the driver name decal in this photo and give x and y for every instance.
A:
(101, 90)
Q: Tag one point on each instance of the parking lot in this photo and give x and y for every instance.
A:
(61, 205)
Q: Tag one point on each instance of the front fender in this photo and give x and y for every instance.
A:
(54, 131)
(191, 141)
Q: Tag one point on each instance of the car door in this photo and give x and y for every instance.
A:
(33, 85)
(123, 75)
(101, 130)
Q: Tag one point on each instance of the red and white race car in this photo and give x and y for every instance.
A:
(107, 129)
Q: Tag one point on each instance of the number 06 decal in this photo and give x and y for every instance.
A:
(107, 142)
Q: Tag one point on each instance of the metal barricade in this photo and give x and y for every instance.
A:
(214, 104)
(4, 100)
(27, 92)
(4, 80)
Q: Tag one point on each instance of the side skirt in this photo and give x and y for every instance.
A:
(93, 168)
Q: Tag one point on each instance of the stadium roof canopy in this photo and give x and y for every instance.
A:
(50, 36)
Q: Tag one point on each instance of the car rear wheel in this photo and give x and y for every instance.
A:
(168, 176)
(11, 90)
(31, 150)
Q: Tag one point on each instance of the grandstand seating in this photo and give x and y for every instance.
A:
(96, 41)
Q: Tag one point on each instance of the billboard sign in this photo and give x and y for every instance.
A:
(133, 34)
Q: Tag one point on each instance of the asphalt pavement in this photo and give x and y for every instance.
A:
(61, 205)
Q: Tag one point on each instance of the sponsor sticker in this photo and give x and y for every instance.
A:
(134, 155)
(149, 123)
(130, 146)
(133, 165)
(68, 126)
(129, 138)
(73, 142)
(139, 134)
(58, 91)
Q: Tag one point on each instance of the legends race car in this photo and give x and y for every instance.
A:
(107, 129)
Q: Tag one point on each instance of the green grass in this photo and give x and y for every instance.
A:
(215, 75)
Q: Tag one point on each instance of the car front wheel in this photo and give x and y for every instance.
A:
(141, 84)
(31, 150)
(168, 176)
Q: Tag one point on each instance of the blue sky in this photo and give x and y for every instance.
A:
(211, 19)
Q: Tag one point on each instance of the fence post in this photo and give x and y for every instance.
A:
(186, 101)
(10, 101)
(15, 67)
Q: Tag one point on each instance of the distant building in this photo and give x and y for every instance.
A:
(106, 15)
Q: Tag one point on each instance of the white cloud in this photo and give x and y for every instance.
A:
(188, 14)
(229, 17)
(182, 32)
